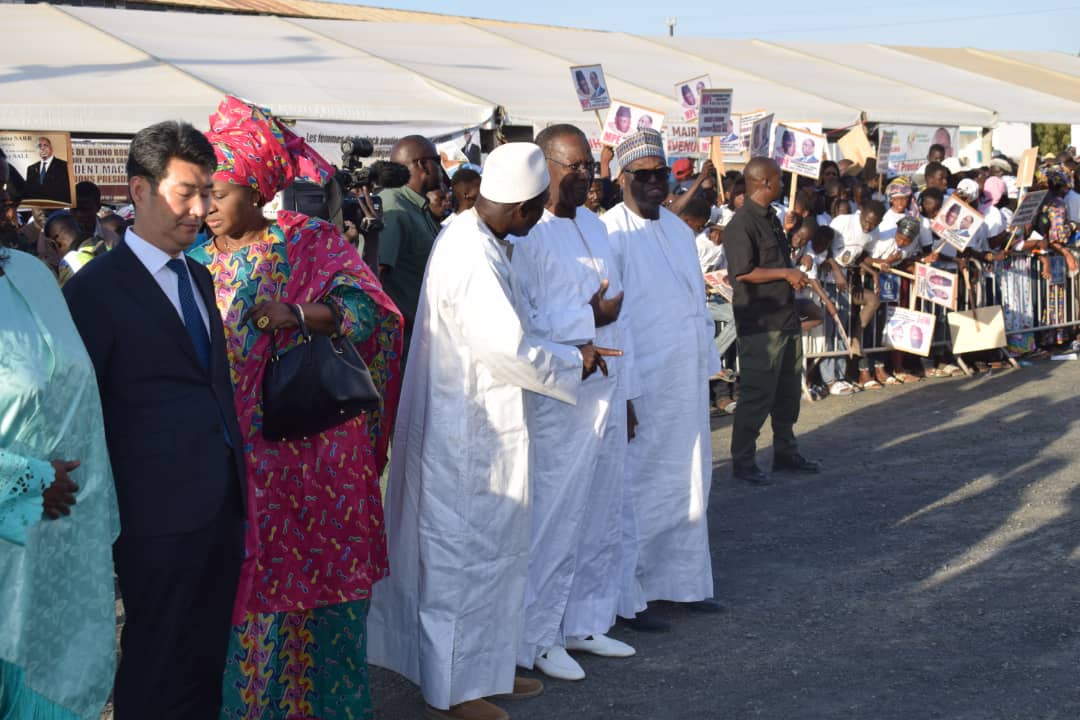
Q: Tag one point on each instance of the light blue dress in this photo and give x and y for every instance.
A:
(57, 604)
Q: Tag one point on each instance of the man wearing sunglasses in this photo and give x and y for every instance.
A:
(409, 230)
(669, 461)
(568, 289)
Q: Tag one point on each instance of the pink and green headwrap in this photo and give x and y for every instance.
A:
(255, 150)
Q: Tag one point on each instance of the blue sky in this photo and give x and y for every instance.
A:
(1035, 25)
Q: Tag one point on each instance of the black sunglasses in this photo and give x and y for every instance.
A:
(660, 174)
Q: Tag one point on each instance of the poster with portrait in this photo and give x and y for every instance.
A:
(1027, 209)
(590, 86)
(40, 166)
(911, 144)
(746, 125)
(624, 119)
(798, 151)
(681, 140)
(714, 114)
(717, 282)
(688, 93)
(909, 330)
(760, 136)
(731, 145)
(935, 285)
(957, 223)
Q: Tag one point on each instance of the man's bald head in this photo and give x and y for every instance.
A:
(418, 154)
(762, 180)
(554, 134)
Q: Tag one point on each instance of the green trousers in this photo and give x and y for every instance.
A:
(770, 383)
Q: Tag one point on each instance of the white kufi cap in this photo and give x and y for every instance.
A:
(514, 172)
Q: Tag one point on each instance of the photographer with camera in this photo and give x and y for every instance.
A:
(408, 228)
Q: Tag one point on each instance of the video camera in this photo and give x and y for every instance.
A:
(353, 173)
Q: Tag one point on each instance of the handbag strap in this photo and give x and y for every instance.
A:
(305, 334)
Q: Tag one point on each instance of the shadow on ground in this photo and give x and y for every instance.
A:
(929, 572)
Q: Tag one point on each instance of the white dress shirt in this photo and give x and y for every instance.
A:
(153, 259)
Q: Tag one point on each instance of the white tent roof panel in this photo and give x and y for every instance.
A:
(96, 83)
(883, 100)
(1012, 103)
(657, 67)
(295, 72)
(533, 86)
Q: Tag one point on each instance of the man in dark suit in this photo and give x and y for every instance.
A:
(149, 321)
(48, 178)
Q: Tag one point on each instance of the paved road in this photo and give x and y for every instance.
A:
(931, 572)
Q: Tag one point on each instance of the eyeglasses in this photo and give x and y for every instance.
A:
(660, 174)
(580, 168)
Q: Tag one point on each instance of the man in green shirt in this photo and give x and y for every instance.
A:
(409, 230)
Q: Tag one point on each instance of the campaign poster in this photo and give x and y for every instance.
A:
(624, 119)
(718, 283)
(41, 165)
(888, 288)
(909, 330)
(957, 223)
(731, 145)
(746, 126)
(911, 144)
(688, 93)
(936, 285)
(798, 151)
(886, 138)
(1028, 209)
(760, 135)
(590, 86)
(104, 163)
(681, 140)
(714, 113)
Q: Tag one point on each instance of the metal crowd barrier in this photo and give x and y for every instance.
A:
(1030, 302)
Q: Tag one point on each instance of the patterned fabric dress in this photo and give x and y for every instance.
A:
(315, 541)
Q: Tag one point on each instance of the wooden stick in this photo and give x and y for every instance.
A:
(716, 154)
(794, 190)
(900, 273)
(598, 120)
(1010, 242)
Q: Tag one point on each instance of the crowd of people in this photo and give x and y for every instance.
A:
(540, 332)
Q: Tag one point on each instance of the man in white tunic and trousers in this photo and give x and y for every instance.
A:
(669, 464)
(457, 503)
(569, 290)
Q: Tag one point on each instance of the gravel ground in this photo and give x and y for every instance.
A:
(930, 572)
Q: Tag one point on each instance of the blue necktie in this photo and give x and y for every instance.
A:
(44, 168)
(192, 319)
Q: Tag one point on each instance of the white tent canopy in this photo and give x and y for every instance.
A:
(101, 84)
(124, 69)
(657, 68)
(1012, 103)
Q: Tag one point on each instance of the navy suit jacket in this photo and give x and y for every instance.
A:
(57, 185)
(164, 413)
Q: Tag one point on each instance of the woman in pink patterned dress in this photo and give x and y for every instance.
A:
(315, 542)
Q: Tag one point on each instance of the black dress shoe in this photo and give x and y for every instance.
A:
(795, 463)
(753, 475)
(708, 605)
(646, 621)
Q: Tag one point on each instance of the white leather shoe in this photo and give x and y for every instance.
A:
(600, 645)
(557, 664)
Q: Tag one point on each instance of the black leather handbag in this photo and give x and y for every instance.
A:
(319, 384)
